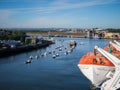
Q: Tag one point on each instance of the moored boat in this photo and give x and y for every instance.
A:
(28, 61)
(73, 43)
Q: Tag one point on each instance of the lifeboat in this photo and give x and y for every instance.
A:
(95, 67)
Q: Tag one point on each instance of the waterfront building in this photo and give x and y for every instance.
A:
(30, 40)
(96, 33)
(111, 35)
(90, 34)
(33, 40)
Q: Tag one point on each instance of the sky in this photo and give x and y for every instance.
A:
(59, 13)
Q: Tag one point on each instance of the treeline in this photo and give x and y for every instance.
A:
(42, 31)
(113, 30)
(18, 35)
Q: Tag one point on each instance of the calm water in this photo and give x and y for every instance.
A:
(46, 73)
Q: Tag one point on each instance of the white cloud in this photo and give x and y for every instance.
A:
(68, 4)
(62, 5)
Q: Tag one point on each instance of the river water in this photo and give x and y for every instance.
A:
(47, 73)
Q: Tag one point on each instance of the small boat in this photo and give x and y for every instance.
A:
(37, 56)
(31, 57)
(57, 55)
(60, 49)
(72, 47)
(66, 53)
(49, 52)
(44, 54)
(54, 56)
(28, 61)
(73, 43)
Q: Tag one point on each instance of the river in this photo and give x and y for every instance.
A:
(47, 73)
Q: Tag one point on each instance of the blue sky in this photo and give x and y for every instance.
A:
(59, 13)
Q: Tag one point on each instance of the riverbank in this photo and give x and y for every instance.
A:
(22, 49)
